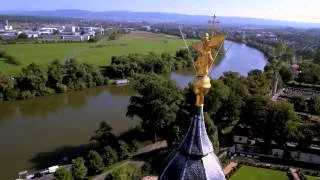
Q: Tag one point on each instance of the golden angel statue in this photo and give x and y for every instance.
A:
(205, 47)
(204, 62)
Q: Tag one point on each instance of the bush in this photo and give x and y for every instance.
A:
(12, 60)
(63, 174)
(129, 171)
(109, 156)
(61, 88)
(106, 81)
(94, 162)
(79, 170)
(314, 105)
(133, 146)
(147, 169)
(26, 95)
(48, 91)
(286, 74)
(123, 150)
(2, 54)
(299, 103)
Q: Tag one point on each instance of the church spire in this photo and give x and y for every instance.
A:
(195, 159)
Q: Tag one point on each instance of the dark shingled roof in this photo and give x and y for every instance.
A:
(194, 159)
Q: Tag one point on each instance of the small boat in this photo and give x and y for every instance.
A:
(121, 81)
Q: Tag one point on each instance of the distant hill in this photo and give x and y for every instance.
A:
(155, 17)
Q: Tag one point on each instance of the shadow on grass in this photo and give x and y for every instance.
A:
(61, 155)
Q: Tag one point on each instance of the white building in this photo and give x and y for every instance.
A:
(6, 26)
(32, 34)
(244, 146)
(47, 30)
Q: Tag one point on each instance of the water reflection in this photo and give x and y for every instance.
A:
(240, 58)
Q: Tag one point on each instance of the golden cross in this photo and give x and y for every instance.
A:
(214, 23)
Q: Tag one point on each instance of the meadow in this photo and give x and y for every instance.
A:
(313, 178)
(253, 173)
(94, 53)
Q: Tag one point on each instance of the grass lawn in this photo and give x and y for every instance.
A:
(43, 54)
(253, 173)
(313, 178)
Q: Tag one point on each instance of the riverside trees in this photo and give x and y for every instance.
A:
(35, 80)
(233, 101)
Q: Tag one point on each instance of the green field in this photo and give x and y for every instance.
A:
(253, 173)
(313, 178)
(97, 54)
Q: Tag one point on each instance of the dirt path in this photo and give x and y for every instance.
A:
(294, 174)
(146, 149)
(229, 168)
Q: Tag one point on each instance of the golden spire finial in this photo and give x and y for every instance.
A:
(204, 62)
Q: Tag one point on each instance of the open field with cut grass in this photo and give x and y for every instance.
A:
(313, 178)
(253, 173)
(96, 54)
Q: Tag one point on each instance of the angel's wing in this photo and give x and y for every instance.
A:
(198, 46)
(216, 41)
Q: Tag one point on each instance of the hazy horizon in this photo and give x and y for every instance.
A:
(286, 10)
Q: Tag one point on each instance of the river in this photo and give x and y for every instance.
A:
(39, 132)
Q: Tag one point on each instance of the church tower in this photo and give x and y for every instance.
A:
(194, 159)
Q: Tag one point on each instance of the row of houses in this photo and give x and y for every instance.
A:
(243, 145)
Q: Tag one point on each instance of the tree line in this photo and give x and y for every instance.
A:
(127, 65)
(35, 80)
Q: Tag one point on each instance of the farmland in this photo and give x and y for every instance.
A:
(93, 53)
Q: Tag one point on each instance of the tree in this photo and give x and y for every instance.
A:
(258, 83)
(62, 173)
(299, 103)
(264, 116)
(212, 131)
(109, 156)
(129, 171)
(229, 113)
(56, 72)
(218, 93)
(310, 73)
(123, 150)
(314, 105)
(94, 162)
(33, 78)
(317, 57)
(103, 135)
(275, 64)
(283, 121)
(286, 74)
(254, 115)
(7, 87)
(22, 36)
(236, 82)
(157, 104)
(79, 170)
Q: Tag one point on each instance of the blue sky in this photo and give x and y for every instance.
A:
(295, 10)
